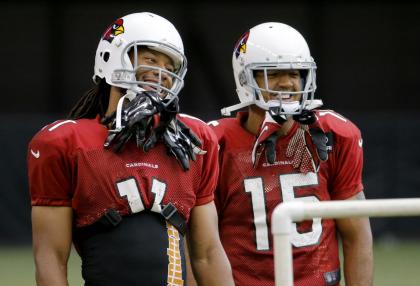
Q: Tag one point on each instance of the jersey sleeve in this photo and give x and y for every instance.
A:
(210, 169)
(49, 171)
(348, 165)
(219, 196)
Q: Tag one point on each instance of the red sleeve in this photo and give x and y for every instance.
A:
(348, 166)
(215, 127)
(210, 171)
(221, 192)
(49, 171)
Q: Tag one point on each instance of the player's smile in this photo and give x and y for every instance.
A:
(155, 83)
(151, 80)
(284, 96)
(284, 81)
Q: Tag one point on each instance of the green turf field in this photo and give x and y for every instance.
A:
(395, 264)
(17, 267)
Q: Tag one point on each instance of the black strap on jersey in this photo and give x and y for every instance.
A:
(108, 221)
(111, 218)
(171, 214)
(270, 147)
(320, 140)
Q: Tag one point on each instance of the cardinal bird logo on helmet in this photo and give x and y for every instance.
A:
(114, 30)
(240, 46)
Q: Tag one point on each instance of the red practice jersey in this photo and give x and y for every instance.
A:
(246, 197)
(68, 166)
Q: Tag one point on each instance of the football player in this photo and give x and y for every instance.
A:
(127, 176)
(284, 149)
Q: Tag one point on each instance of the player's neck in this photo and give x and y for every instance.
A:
(255, 119)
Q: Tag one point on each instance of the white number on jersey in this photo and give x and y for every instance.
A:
(288, 184)
(213, 123)
(130, 190)
(255, 187)
(59, 124)
(332, 113)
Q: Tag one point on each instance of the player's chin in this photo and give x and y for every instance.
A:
(162, 94)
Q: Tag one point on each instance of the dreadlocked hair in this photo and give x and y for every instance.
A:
(93, 102)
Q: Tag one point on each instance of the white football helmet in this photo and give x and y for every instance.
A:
(112, 60)
(272, 46)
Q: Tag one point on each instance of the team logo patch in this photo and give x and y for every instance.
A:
(240, 46)
(332, 278)
(114, 30)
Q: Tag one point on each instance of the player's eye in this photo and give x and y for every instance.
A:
(294, 74)
(150, 59)
(170, 68)
(272, 73)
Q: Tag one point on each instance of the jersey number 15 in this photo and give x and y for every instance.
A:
(288, 183)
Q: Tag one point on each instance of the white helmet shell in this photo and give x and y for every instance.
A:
(266, 47)
(112, 61)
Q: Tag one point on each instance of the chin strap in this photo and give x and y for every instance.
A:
(305, 157)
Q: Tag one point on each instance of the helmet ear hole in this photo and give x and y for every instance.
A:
(106, 56)
(242, 78)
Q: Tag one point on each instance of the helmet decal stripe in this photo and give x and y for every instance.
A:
(115, 29)
(240, 46)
